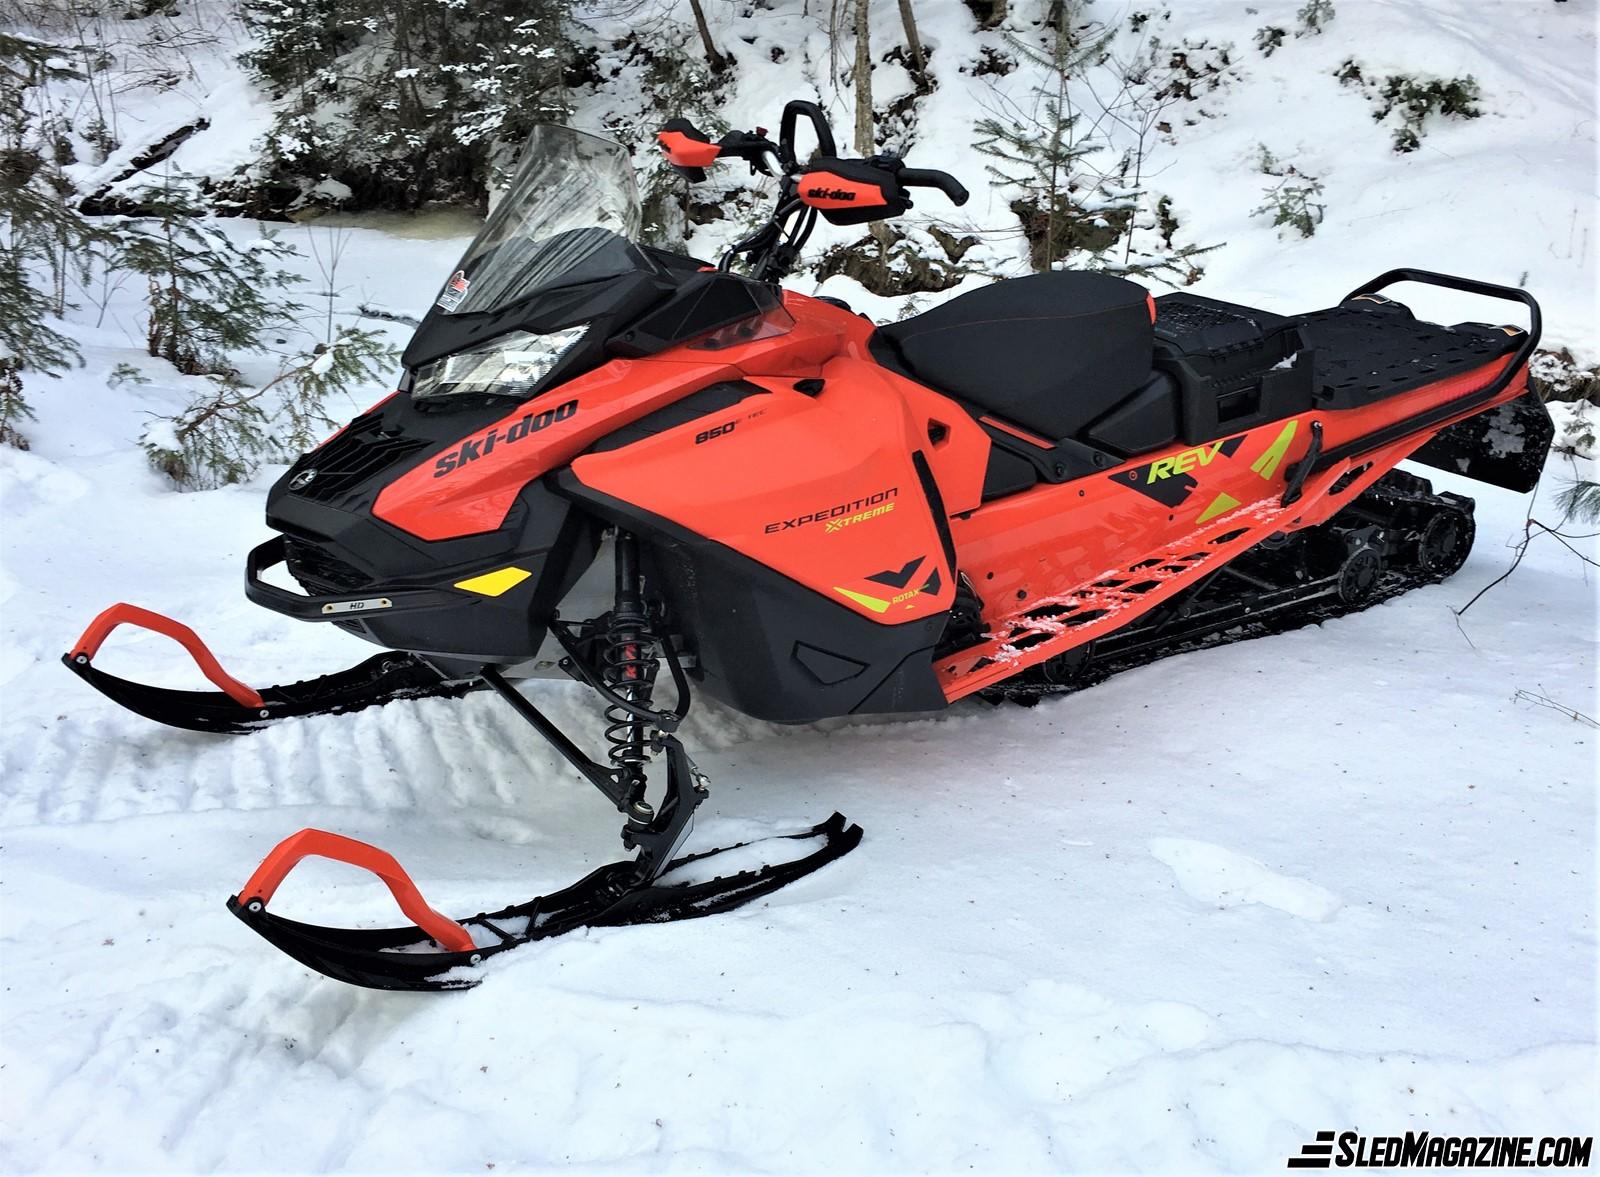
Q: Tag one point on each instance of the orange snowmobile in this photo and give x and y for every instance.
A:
(605, 460)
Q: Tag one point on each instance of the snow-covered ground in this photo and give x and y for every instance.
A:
(1340, 878)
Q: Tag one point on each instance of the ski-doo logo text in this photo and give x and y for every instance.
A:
(1423, 1150)
(834, 512)
(478, 447)
(831, 194)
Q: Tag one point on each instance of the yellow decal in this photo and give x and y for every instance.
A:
(1220, 505)
(1183, 461)
(492, 584)
(872, 603)
(834, 525)
(1267, 464)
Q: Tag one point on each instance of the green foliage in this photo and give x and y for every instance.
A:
(226, 432)
(1313, 15)
(353, 358)
(406, 101)
(1269, 39)
(1418, 99)
(1291, 202)
(207, 296)
(1580, 499)
(209, 301)
(219, 438)
(1415, 100)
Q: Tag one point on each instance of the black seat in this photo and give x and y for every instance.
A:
(1050, 352)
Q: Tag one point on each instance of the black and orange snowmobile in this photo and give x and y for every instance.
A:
(629, 467)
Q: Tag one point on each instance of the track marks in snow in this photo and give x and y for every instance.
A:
(1225, 878)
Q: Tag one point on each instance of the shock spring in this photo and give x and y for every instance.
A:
(629, 662)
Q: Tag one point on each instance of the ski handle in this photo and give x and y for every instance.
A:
(287, 854)
(1471, 286)
(88, 645)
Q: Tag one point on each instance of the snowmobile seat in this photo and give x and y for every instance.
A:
(1050, 352)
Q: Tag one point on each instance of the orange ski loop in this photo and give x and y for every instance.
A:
(123, 614)
(286, 855)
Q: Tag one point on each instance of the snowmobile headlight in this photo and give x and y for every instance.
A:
(511, 365)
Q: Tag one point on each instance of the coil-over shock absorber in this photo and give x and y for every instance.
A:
(629, 660)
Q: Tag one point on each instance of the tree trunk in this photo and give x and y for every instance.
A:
(863, 79)
(908, 18)
(717, 62)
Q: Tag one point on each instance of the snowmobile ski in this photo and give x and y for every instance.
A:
(437, 953)
(235, 707)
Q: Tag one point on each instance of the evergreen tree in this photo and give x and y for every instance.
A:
(409, 100)
(1041, 152)
(224, 434)
(207, 296)
(211, 300)
(41, 238)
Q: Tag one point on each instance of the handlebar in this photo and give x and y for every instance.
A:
(932, 178)
(819, 124)
(844, 191)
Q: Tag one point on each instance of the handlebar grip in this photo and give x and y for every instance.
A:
(932, 178)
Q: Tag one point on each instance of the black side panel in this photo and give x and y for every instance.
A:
(1007, 474)
(1147, 420)
(767, 646)
(1505, 446)
(711, 399)
(334, 544)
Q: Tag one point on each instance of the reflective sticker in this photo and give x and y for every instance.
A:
(454, 291)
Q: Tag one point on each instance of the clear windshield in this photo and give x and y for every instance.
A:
(570, 215)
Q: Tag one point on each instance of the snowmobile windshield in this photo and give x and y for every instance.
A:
(571, 215)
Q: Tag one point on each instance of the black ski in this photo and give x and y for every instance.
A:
(409, 959)
(383, 678)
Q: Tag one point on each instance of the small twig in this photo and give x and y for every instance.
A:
(372, 312)
(1539, 698)
(1528, 533)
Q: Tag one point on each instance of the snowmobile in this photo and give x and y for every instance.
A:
(614, 463)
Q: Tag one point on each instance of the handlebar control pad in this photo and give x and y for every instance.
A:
(852, 192)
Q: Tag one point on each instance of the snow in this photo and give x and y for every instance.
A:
(1341, 877)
